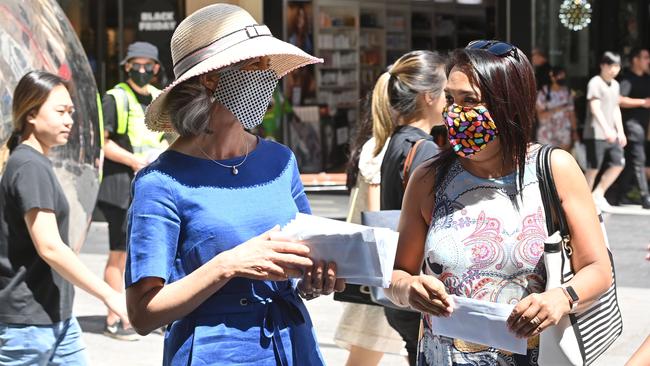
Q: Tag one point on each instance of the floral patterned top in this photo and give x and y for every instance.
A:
(485, 242)
(555, 129)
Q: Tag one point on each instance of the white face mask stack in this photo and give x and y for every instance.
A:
(246, 94)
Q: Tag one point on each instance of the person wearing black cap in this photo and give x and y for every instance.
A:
(128, 147)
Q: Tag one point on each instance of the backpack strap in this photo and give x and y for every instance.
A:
(409, 161)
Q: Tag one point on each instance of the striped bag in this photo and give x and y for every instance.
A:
(581, 337)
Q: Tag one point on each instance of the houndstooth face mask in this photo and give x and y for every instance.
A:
(246, 94)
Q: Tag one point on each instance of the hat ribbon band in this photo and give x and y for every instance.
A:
(219, 45)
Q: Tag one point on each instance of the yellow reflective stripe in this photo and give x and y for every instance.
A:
(100, 117)
(131, 120)
(121, 106)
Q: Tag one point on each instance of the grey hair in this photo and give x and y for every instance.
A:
(189, 106)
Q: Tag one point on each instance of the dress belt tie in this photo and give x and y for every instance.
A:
(281, 309)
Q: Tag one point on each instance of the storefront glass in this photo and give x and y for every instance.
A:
(564, 47)
(106, 28)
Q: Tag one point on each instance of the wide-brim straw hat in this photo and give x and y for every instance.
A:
(217, 36)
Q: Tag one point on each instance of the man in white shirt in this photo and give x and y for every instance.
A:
(603, 134)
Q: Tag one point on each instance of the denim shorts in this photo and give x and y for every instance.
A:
(42, 345)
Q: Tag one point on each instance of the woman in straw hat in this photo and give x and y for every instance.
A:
(200, 257)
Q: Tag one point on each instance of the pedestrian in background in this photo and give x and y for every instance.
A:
(38, 269)
(200, 257)
(635, 108)
(603, 133)
(555, 115)
(485, 239)
(539, 60)
(363, 329)
(128, 147)
(413, 97)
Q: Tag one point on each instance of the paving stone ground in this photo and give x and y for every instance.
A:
(628, 230)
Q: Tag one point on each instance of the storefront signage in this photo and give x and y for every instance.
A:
(157, 21)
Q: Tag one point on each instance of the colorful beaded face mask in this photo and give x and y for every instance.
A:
(469, 128)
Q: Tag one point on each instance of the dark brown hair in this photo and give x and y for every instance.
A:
(363, 134)
(507, 85)
(30, 94)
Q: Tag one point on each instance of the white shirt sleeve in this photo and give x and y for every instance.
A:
(369, 165)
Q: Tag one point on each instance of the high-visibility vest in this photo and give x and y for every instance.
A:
(130, 120)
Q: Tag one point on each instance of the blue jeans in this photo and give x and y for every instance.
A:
(42, 345)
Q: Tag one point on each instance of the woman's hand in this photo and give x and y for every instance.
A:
(262, 259)
(537, 312)
(428, 295)
(320, 279)
(117, 303)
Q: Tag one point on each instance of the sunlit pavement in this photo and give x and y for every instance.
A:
(629, 234)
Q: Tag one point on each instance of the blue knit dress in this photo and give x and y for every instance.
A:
(185, 211)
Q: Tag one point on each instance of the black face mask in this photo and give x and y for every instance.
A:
(140, 78)
(561, 82)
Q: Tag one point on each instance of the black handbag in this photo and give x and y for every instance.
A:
(357, 294)
(579, 338)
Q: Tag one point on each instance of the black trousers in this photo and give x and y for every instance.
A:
(407, 324)
(635, 161)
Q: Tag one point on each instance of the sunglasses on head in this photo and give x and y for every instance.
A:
(138, 66)
(496, 48)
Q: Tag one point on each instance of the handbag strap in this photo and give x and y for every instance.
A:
(555, 218)
(409, 161)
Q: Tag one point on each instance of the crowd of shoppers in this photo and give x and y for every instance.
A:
(211, 275)
(615, 130)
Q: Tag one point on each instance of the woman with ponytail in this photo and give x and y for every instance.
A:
(414, 99)
(363, 329)
(37, 267)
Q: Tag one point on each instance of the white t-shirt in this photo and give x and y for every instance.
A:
(608, 95)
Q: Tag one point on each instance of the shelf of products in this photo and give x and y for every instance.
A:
(421, 29)
(357, 39)
(372, 45)
(398, 32)
(338, 42)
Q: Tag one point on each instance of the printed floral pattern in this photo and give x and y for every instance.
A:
(555, 128)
